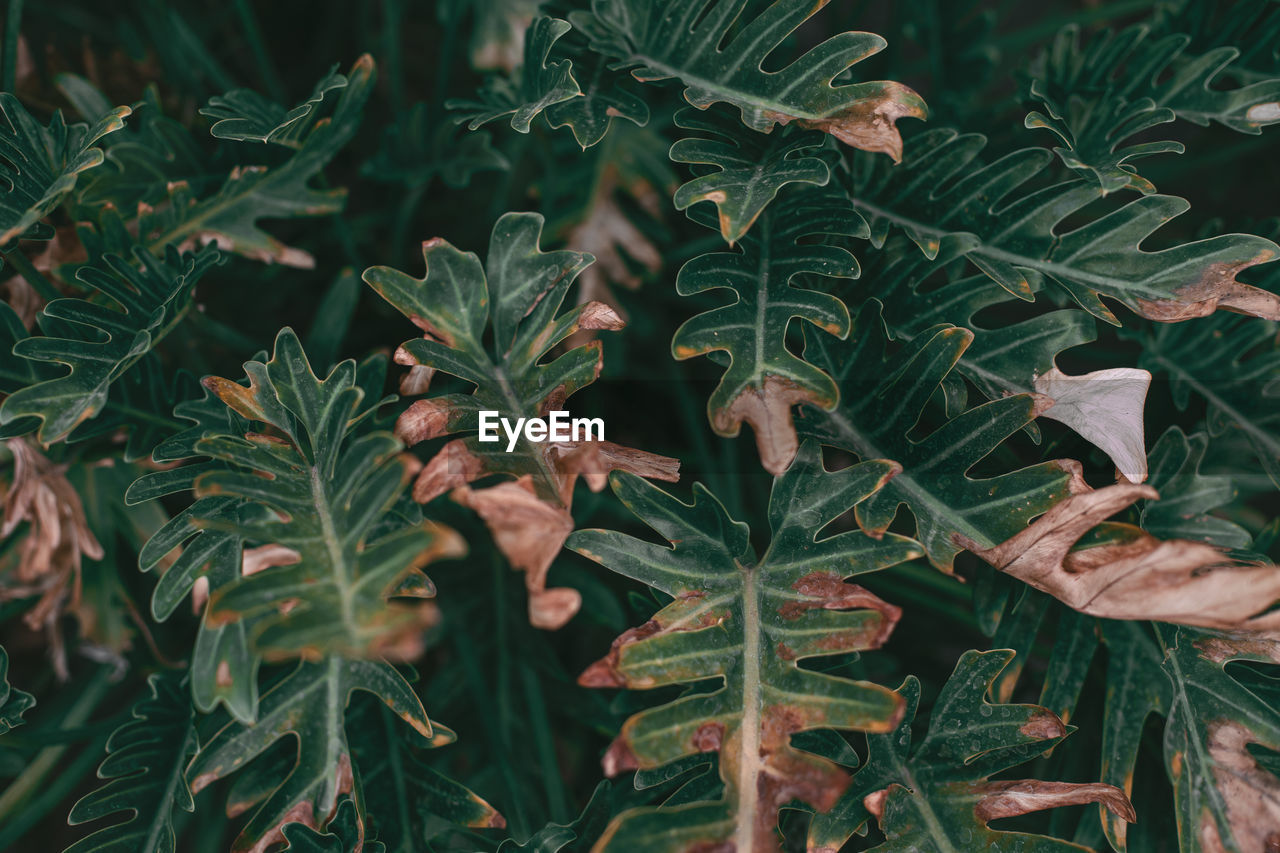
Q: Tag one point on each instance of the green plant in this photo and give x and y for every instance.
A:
(1013, 396)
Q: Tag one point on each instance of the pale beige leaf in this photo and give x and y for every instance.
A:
(1106, 408)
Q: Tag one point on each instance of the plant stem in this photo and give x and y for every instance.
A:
(254, 36)
(23, 266)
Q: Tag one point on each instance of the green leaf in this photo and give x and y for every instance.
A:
(99, 344)
(745, 622)
(538, 83)
(1098, 96)
(307, 706)
(405, 798)
(1004, 358)
(937, 797)
(230, 216)
(1186, 495)
(39, 166)
(573, 836)
(607, 94)
(722, 59)
(883, 395)
(764, 379)
(343, 834)
(324, 492)
(748, 168)
(244, 115)
(1231, 363)
(1014, 235)
(145, 761)
(451, 304)
(13, 702)
(418, 148)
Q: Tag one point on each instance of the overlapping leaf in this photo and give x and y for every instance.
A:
(451, 304)
(307, 706)
(764, 379)
(720, 58)
(99, 344)
(1231, 363)
(747, 169)
(539, 82)
(745, 621)
(1099, 95)
(13, 702)
(244, 115)
(328, 555)
(146, 759)
(938, 797)
(1011, 234)
(39, 165)
(883, 395)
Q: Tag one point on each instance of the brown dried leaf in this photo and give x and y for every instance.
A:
(1018, 797)
(55, 543)
(1251, 793)
(1216, 288)
(1134, 575)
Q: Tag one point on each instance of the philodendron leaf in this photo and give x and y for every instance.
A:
(882, 397)
(745, 621)
(938, 797)
(244, 115)
(451, 304)
(764, 379)
(1015, 235)
(39, 166)
(98, 343)
(146, 759)
(1097, 96)
(325, 564)
(749, 168)
(230, 216)
(307, 706)
(343, 834)
(721, 59)
(538, 84)
(607, 94)
(1186, 495)
(1231, 363)
(13, 702)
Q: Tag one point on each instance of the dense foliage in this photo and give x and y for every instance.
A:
(991, 568)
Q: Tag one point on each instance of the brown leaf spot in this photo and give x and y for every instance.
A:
(605, 672)
(598, 315)
(223, 676)
(708, 737)
(424, 420)
(619, 758)
(1043, 725)
(1216, 288)
(784, 651)
(869, 123)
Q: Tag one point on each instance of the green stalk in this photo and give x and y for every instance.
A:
(23, 266)
(260, 55)
(12, 29)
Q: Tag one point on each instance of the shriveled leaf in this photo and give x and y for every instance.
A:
(745, 621)
(938, 797)
(146, 758)
(764, 379)
(1123, 572)
(451, 304)
(720, 58)
(883, 395)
